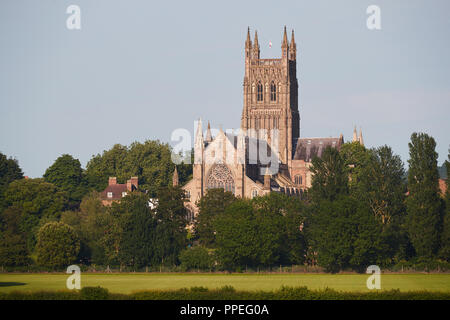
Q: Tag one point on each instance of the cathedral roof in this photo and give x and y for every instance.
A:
(309, 148)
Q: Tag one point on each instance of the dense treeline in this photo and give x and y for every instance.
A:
(362, 209)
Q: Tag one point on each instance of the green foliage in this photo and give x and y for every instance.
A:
(170, 231)
(138, 230)
(210, 206)
(149, 161)
(196, 258)
(66, 173)
(90, 224)
(330, 178)
(236, 235)
(9, 171)
(37, 202)
(423, 203)
(58, 245)
(356, 159)
(94, 293)
(226, 293)
(445, 236)
(13, 249)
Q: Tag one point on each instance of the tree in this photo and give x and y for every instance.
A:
(382, 185)
(356, 158)
(445, 236)
(89, 223)
(170, 231)
(37, 202)
(66, 173)
(330, 177)
(150, 161)
(9, 171)
(210, 206)
(423, 202)
(57, 246)
(280, 221)
(138, 231)
(344, 234)
(382, 188)
(236, 236)
(13, 249)
(196, 258)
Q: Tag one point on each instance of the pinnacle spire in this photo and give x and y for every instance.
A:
(208, 137)
(355, 138)
(175, 177)
(292, 38)
(248, 42)
(285, 41)
(256, 39)
(360, 139)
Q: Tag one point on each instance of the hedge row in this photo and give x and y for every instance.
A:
(225, 293)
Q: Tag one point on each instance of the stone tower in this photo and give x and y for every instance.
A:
(271, 95)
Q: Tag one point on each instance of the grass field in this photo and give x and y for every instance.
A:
(129, 282)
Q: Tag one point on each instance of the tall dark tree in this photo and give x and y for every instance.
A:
(237, 235)
(210, 206)
(9, 171)
(445, 236)
(280, 220)
(356, 158)
(37, 202)
(66, 173)
(13, 248)
(423, 202)
(330, 176)
(170, 231)
(138, 231)
(382, 185)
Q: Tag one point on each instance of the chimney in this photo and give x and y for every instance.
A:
(134, 182)
(129, 186)
(267, 179)
(112, 181)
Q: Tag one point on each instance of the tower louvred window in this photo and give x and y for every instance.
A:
(260, 92)
(273, 92)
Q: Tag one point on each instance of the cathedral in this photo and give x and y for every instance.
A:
(267, 153)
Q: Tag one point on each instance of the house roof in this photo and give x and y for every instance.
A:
(116, 190)
(309, 148)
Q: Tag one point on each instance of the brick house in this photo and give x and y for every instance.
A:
(116, 191)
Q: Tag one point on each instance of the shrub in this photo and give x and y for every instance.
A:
(196, 258)
(94, 293)
(58, 245)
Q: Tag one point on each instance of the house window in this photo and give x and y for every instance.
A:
(110, 195)
(124, 194)
(298, 179)
(273, 92)
(188, 194)
(259, 96)
(254, 193)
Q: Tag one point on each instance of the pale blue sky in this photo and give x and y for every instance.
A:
(138, 70)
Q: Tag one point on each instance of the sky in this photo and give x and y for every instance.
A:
(138, 70)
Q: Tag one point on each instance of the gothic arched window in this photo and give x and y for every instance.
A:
(220, 177)
(259, 96)
(298, 179)
(273, 92)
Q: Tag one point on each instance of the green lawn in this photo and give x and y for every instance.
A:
(129, 282)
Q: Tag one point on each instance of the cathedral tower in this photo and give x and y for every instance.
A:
(271, 95)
